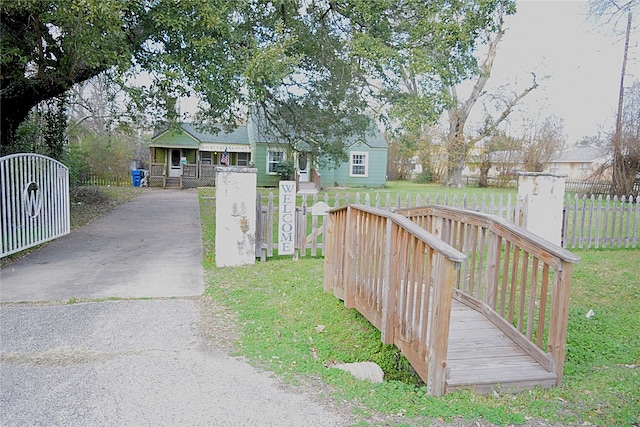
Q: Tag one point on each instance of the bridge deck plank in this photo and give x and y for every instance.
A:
(482, 357)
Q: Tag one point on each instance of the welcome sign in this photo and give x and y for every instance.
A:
(287, 218)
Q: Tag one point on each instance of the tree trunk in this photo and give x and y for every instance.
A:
(622, 184)
(456, 155)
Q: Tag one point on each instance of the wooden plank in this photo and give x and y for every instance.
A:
(389, 283)
(350, 248)
(636, 221)
(451, 344)
(523, 289)
(494, 349)
(476, 336)
(627, 232)
(559, 319)
(330, 261)
(498, 373)
(440, 321)
(532, 298)
(519, 339)
(269, 225)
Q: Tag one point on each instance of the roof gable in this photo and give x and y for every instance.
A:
(238, 136)
(373, 138)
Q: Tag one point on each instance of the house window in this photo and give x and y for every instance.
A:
(585, 169)
(273, 158)
(359, 164)
(554, 169)
(243, 159)
(205, 157)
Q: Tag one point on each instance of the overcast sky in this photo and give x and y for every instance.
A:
(583, 62)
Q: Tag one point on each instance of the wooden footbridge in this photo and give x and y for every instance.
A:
(470, 299)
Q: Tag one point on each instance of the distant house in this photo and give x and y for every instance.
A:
(366, 167)
(186, 157)
(577, 164)
(580, 163)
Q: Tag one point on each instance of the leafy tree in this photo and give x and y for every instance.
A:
(50, 45)
(312, 68)
(43, 131)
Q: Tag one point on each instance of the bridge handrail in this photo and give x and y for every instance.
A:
(510, 273)
(400, 277)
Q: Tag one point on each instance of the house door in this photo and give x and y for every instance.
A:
(175, 166)
(303, 167)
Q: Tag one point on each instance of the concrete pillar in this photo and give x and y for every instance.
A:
(541, 197)
(235, 216)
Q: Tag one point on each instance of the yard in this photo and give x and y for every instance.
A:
(286, 323)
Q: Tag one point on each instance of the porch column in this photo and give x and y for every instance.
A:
(235, 216)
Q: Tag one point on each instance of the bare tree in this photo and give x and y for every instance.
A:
(543, 138)
(623, 173)
(497, 150)
(458, 142)
(629, 141)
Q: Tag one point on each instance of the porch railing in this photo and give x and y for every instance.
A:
(193, 175)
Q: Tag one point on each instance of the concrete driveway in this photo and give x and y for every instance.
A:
(130, 362)
(148, 247)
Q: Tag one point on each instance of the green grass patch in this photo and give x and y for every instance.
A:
(289, 325)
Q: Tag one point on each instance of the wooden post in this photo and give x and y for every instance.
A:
(328, 242)
(390, 283)
(269, 225)
(440, 320)
(559, 319)
(259, 226)
(493, 272)
(350, 258)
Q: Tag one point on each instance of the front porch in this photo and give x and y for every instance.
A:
(187, 167)
(192, 175)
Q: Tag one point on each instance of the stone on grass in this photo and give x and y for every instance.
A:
(363, 370)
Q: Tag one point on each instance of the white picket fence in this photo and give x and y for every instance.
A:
(589, 222)
(34, 198)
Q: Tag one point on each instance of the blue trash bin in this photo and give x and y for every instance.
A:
(136, 177)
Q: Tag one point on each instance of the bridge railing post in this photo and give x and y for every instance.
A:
(351, 248)
(440, 321)
(558, 323)
(390, 282)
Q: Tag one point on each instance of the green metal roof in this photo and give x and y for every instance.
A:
(243, 135)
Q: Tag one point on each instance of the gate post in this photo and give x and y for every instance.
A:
(235, 216)
(541, 196)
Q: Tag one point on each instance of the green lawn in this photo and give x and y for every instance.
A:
(287, 324)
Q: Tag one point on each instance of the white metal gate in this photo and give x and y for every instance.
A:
(34, 197)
